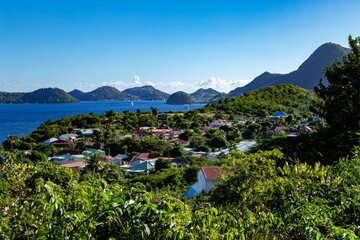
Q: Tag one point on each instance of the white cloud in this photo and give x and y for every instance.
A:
(221, 84)
(136, 80)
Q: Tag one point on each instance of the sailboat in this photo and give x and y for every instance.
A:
(132, 103)
(186, 107)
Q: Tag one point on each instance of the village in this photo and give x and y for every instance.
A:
(212, 142)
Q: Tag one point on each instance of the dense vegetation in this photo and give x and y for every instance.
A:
(266, 101)
(43, 95)
(179, 98)
(306, 187)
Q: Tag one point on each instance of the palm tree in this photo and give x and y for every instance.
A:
(94, 163)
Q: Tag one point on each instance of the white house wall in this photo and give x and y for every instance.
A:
(200, 184)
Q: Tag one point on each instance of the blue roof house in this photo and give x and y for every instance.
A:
(278, 115)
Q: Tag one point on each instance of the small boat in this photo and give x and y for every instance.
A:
(186, 107)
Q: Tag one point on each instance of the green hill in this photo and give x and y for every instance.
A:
(42, 95)
(105, 93)
(284, 97)
(179, 98)
(147, 93)
(306, 76)
(7, 97)
(78, 94)
(204, 94)
(49, 95)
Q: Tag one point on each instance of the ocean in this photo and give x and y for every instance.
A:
(22, 119)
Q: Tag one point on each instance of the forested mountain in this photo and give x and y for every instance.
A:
(147, 93)
(15, 97)
(306, 76)
(104, 93)
(43, 95)
(266, 101)
(179, 98)
(78, 94)
(204, 94)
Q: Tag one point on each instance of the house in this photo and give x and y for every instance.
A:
(140, 158)
(301, 130)
(278, 115)
(68, 152)
(219, 123)
(50, 140)
(90, 152)
(66, 159)
(86, 132)
(181, 142)
(76, 166)
(140, 133)
(204, 155)
(277, 128)
(146, 167)
(254, 119)
(118, 137)
(204, 129)
(69, 136)
(60, 143)
(164, 126)
(119, 159)
(207, 178)
(163, 116)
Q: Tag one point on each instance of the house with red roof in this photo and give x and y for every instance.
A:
(301, 130)
(140, 133)
(75, 166)
(62, 143)
(207, 178)
(219, 123)
(278, 128)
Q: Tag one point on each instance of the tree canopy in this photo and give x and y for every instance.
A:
(340, 104)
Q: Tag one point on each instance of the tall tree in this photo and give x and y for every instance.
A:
(340, 104)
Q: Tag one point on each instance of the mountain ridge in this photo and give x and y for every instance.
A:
(307, 75)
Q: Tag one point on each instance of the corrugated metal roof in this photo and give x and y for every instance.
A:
(214, 172)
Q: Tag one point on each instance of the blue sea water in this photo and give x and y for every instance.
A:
(20, 119)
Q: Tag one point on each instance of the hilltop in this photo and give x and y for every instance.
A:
(179, 98)
(147, 93)
(204, 94)
(306, 76)
(105, 93)
(284, 97)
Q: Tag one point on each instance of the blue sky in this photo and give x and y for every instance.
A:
(172, 45)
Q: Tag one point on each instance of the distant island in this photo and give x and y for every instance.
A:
(306, 76)
(43, 95)
(179, 98)
(105, 93)
(147, 93)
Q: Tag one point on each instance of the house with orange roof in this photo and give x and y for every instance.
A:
(207, 178)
